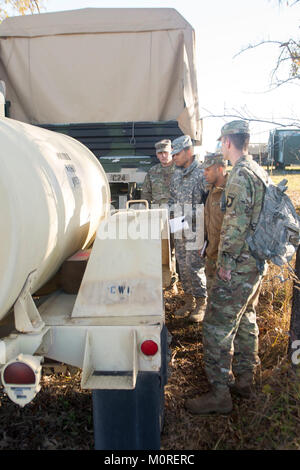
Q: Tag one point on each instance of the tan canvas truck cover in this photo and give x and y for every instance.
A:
(101, 65)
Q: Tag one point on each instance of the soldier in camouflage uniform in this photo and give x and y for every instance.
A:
(156, 190)
(156, 186)
(188, 190)
(230, 332)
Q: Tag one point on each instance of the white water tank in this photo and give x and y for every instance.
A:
(53, 195)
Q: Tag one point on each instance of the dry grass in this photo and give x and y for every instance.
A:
(270, 419)
(293, 185)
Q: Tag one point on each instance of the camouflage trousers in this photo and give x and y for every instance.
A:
(191, 269)
(210, 272)
(230, 331)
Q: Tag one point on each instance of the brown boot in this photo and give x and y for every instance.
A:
(244, 385)
(198, 313)
(188, 306)
(218, 400)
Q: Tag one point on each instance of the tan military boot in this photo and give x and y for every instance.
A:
(188, 306)
(218, 400)
(244, 385)
(198, 312)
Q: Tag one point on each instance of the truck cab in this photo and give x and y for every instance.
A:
(110, 83)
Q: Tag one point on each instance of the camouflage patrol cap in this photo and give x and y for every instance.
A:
(163, 146)
(213, 159)
(181, 143)
(234, 127)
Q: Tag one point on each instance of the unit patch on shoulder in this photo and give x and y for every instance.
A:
(229, 200)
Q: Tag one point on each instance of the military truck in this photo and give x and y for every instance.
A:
(118, 80)
(111, 82)
(284, 147)
(259, 152)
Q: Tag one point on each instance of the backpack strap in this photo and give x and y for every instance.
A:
(282, 185)
(257, 173)
(259, 263)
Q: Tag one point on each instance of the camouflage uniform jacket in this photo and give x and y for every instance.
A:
(156, 186)
(188, 187)
(244, 194)
(213, 218)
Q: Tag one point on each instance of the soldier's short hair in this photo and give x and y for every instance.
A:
(240, 141)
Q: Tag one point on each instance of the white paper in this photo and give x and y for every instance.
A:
(177, 224)
(203, 249)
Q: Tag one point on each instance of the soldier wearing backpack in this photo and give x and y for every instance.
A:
(230, 332)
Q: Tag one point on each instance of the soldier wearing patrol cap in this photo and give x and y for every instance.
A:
(188, 189)
(229, 326)
(156, 190)
(156, 186)
(240, 128)
(215, 172)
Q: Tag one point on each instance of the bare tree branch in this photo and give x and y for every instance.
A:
(289, 52)
(238, 115)
(287, 80)
(253, 46)
(287, 1)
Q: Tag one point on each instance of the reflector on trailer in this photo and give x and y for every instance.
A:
(21, 378)
(19, 373)
(149, 347)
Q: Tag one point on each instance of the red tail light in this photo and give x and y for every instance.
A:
(149, 347)
(19, 373)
